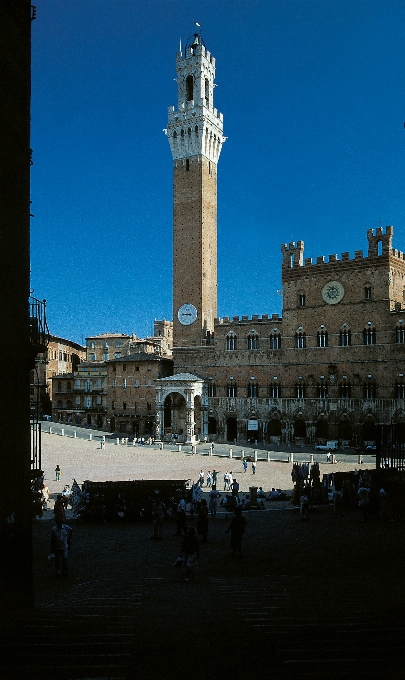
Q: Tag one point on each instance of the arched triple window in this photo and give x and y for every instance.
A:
(400, 333)
(275, 339)
(344, 389)
(369, 334)
(231, 389)
(231, 341)
(300, 390)
(345, 336)
(369, 388)
(275, 389)
(322, 388)
(212, 389)
(400, 388)
(252, 390)
(59, 386)
(253, 340)
(322, 337)
(300, 340)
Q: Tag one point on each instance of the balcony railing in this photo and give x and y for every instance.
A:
(39, 331)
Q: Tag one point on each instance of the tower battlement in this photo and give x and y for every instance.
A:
(293, 253)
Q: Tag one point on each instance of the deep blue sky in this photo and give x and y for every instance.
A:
(313, 97)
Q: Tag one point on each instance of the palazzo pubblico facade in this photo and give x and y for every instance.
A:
(331, 367)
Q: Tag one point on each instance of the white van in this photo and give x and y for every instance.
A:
(332, 445)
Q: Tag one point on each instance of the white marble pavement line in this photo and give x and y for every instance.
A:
(82, 459)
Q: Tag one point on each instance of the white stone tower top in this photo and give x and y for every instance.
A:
(196, 127)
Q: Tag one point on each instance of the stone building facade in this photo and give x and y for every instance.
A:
(131, 385)
(80, 398)
(331, 367)
(61, 357)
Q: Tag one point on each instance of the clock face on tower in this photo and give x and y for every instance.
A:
(333, 292)
(187, 314)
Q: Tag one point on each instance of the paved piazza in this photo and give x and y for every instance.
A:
(82, 459)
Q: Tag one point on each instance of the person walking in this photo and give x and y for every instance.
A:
(58, 473)
(254, 467)
(214, 496)
(226, 480)
(209, 479)
(61, 536)
(214, 478)
(237, 528)
(201, 478)
(244, 465)
(190, 548)
(230, 481)
(235, 489)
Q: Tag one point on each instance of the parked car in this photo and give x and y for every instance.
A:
(332, 445)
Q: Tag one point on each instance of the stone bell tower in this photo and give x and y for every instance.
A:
(195, 137)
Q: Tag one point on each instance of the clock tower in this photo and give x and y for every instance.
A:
(195, 133)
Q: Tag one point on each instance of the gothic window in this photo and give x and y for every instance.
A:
(300, 340)
(400, 334)
(118, 343)
(322, 337)
(345, 336)
(400, 390)
(207, 91)
(212, 390)
(300, 390)
(253, 340)
(189, 132)
(69, 386)
(344, 390)
(369, 335)
(77, 384)
(117, 355)
(253, 390)
(231, 341)
(275, 340)
(124, 383)
(275, 391)
(92, 345)
(369, 391)
(106, 345)
(92, 357)
(322, 391)
(174, 134)
(231, 390)
(189, 88)
(88, 386)
(105, 357)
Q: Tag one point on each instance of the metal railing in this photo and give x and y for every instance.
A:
(39, 331)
